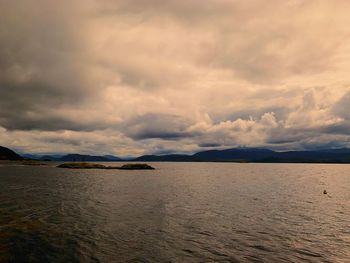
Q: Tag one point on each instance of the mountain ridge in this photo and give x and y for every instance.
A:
(253, 155)
(82, 158)
(263, 155)
(8, 154)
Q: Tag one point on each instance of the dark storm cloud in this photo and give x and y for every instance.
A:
(329, 136)
(342, 128)
(209, 145)
(39, 65)
(159, 76)
(159, 126)
(290, 135)
(341, 108)
(57, 140)
(328, 144)
(46, 122)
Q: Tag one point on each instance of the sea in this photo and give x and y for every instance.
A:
(179, 212)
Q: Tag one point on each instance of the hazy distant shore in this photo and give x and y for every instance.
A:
(238, 155)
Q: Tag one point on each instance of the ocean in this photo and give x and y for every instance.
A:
(180, 212)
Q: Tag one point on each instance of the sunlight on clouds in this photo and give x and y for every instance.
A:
(133, 77)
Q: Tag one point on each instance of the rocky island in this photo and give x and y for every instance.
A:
(33, 163)
(130, 166)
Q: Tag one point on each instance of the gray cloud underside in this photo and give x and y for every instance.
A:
(134, 77)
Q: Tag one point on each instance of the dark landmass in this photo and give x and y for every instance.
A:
(49, 157)
(78, 158)
(256, 155)
(7, 154)
(136, 166)
(33, 163)
(86, 158)
(83, 166)
(164, 158)
(259, 155)
(76, 165)
(112, 158)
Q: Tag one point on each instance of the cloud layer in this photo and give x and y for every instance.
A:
(135, 77)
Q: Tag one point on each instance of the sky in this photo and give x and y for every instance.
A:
(133, 77)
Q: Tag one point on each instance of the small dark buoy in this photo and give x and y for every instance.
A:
(324, 192)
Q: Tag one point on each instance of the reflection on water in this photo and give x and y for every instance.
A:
(181, 212)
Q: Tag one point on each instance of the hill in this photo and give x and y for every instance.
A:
(7, 154)
(80, 158)
(256, 155)
(260, 155)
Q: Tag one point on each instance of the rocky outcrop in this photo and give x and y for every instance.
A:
(135, 166)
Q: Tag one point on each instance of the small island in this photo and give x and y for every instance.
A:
(84, 165)
(33, 163)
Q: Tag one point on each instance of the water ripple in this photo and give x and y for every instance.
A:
(182, 213)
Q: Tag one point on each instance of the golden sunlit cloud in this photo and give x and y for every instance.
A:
(154, 76)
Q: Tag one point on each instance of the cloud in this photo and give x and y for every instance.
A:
(157, 126)
(42, 66)
(153, 76)
(340, 108)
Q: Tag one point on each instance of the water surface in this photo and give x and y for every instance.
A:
(180, 212)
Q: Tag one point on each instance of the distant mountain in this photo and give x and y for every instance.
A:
(41, 157)
(73, 158)
(256, 155)
(314, 156)
(50, 157)
(228, 155)
(7, 154)
(164, 158)
(112, 158)
(87, 158)
(30, 156)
